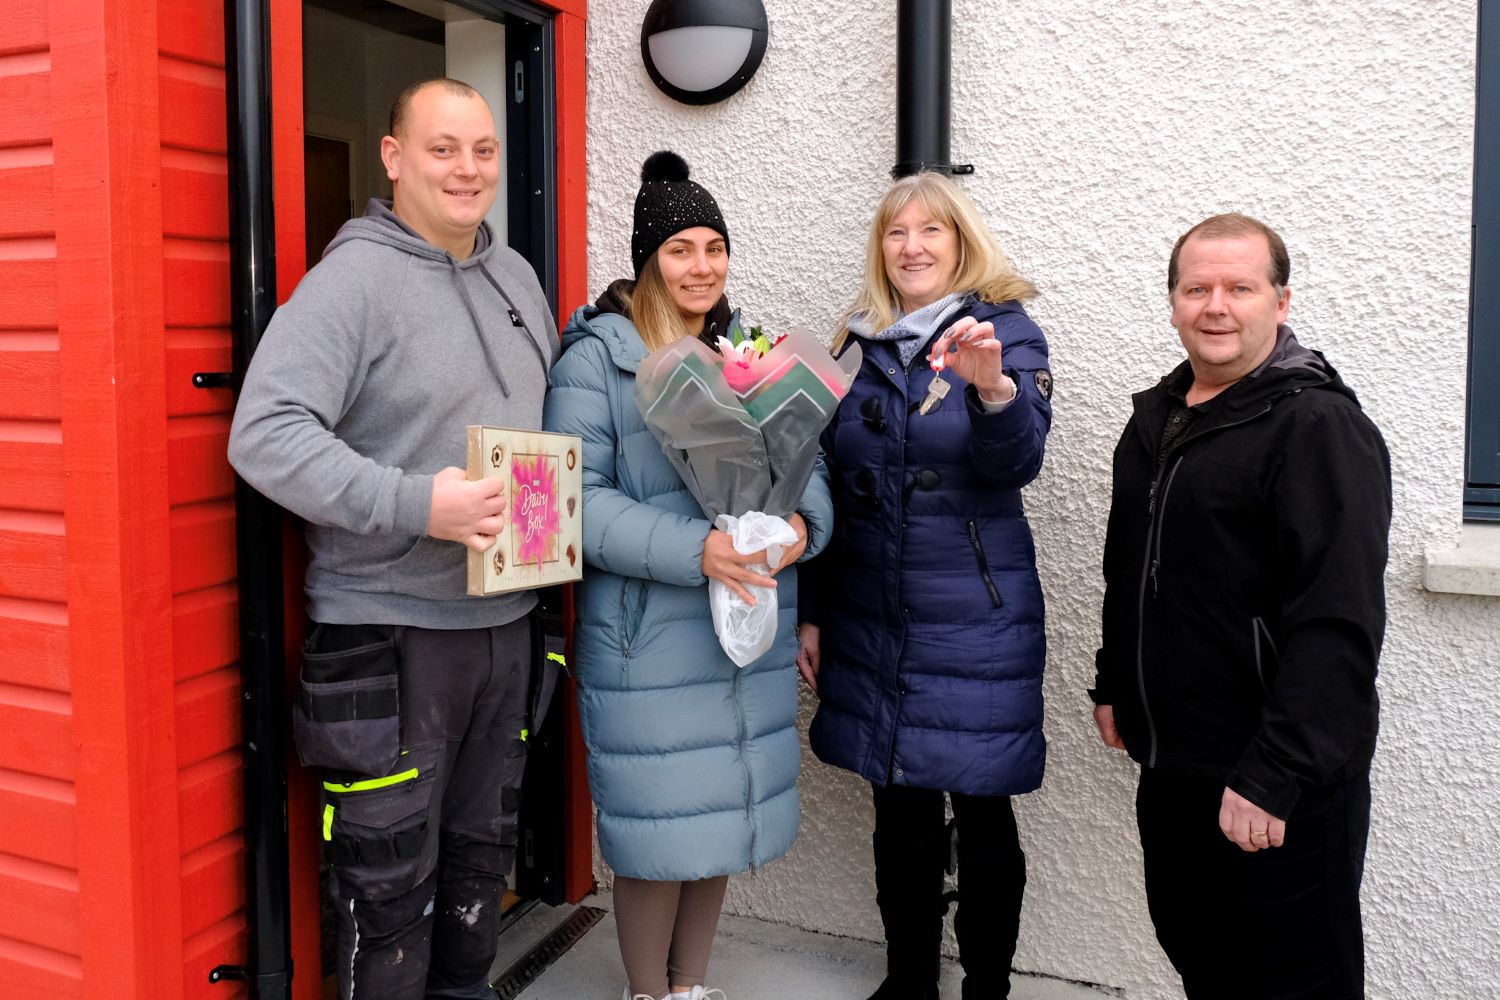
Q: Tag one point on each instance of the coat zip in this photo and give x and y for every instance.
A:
(1156, 514)
(629, 625)
(890, 760)
(984, 566)
(1258, 629)
(1161, 517)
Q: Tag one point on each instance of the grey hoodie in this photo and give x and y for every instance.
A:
(362, 389)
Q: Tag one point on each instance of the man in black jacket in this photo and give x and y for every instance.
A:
(1243, 616)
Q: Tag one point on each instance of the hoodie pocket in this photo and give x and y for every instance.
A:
(431, 569)
(1267, 658)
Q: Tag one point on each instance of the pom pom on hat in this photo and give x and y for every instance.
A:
(667, 203)
(664, 165)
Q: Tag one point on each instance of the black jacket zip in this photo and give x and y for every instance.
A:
(1156, 509)
(984, 566)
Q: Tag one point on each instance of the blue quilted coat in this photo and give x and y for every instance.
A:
(692, 762)
(931, 612)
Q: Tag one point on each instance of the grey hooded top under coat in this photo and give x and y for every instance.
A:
(692, 763)
(361, 390)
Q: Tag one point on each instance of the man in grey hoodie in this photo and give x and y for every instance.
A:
(414, 697)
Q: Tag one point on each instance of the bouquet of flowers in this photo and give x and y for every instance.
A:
(741, 426)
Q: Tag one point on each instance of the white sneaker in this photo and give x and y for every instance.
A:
(697, 993)
(638, 996)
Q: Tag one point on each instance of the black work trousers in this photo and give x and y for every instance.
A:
(420, 850)
(1275, 924)
(912, 850)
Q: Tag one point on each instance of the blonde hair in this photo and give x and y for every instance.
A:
(652, 309)
(982, 266)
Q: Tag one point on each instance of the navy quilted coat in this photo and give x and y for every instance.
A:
(692, 762)
(931, 612)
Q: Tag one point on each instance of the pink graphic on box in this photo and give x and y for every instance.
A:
(534, 508)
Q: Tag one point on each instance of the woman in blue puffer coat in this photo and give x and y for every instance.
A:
(692, 761)
(927, 656)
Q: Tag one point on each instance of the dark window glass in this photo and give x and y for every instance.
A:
(1482, 486)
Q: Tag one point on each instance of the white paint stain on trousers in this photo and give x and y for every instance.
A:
(468, 915)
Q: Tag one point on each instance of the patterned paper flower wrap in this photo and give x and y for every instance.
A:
(741, 427)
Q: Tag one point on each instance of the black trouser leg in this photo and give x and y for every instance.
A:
(911, 849)
(991, 883)
(1276, 924)
(383, 944)
(478, 835)
(420, 854)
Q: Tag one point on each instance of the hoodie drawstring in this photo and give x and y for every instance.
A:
(546, 371)
(463, 292)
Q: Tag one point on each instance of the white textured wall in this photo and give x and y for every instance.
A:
(1100, 131)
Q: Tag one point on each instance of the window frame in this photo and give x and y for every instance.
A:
(1482, 443)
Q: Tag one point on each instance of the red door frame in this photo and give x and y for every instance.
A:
(572, 287)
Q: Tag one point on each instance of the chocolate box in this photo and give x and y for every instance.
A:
(541, 543)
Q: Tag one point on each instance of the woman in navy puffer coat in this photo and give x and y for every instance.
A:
(927, 655)
(692, 761)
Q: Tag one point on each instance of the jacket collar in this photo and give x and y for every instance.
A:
(1288, 369)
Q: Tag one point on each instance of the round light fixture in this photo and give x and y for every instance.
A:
(701, 51)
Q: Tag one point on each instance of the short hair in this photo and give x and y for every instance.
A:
(403, 100)
(982, 266)
(1228, 226)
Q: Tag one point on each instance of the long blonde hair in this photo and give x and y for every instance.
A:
(652, 309)
(982, 266)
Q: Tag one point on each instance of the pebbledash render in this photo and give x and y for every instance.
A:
(1099, 131)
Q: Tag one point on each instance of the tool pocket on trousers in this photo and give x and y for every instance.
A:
(376, 831)
(347, 716)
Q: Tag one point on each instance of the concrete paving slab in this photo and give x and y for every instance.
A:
(756, 960)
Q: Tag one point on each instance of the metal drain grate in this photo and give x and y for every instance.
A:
(524, 970)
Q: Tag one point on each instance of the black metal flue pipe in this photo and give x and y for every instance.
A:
(252, 262)
(924, 107)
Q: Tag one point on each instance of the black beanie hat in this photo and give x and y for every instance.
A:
(667, 204)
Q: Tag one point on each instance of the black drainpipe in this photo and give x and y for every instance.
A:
(252, 265)
(924, 109)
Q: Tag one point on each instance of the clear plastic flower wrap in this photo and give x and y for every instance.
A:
(741, 427)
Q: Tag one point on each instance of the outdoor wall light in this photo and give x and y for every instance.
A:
(701, 51)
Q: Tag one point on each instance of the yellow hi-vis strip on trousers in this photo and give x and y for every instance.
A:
(340, 788)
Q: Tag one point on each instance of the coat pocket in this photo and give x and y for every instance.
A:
(984, 565)
(347, 716)
(632, 607)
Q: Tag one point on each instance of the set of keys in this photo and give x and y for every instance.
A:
(939, 386)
